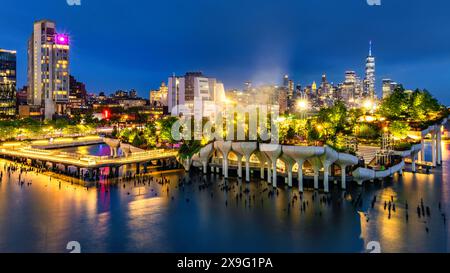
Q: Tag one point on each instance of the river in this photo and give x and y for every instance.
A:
(129, 217)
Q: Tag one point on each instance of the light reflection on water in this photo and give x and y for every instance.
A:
(45, 216)
(97, 150)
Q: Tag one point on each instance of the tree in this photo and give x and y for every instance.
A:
(422, 105)
(399, 129)
(89, 118)
(369, 131)
(332, 121)
(166, 125)
(189, 149)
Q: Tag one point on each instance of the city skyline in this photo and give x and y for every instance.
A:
(198, 128)
(237, 56)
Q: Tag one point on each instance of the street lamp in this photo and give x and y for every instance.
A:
(368, 104)
(302, 104)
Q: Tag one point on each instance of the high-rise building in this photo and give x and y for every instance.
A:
(158, 98)
(77, 94)
(282, 99)
(286, 81)
(290, 95)
(176, 95)
(22, 96)
(388, 87)
(190, 84)
(349, 88)
(369, 81)
(247, 86)
(7, 83)
(325, 88)
(48, 69)
(194, 87)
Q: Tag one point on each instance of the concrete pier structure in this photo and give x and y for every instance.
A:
(245, 149)
(300, 154)
(224, 147)
(272, 151)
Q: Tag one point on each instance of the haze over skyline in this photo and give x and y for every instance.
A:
(135, 44)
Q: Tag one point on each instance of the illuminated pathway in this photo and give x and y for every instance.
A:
(19, 151)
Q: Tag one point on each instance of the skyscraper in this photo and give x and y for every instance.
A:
(369, 81)
(48, 69)
(193, 88)
(7, 83)
(350, 88)
(325, 87)
(77, 94)
(286, 81)
(388, 87)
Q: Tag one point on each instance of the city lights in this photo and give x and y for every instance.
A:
(224, 128)
(302, 104)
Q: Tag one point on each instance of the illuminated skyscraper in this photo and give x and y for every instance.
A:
(77, 94)
(369, 81)
(286, 81)
(7, 83)
(388, 87)
(48, 69)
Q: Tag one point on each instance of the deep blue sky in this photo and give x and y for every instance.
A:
(118, 44)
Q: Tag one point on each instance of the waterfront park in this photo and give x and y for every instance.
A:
(328, 144)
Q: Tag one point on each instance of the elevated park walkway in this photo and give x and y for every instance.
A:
(45, 152)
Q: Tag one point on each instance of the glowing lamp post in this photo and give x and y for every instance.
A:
(302, 105)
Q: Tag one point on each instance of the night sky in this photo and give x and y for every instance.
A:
(118, 44)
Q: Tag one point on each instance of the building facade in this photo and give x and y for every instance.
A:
(48, 69)
(159, 98)
(7, 83)
(369, 81)
(77, 94)
(195, 94)
(388, 87)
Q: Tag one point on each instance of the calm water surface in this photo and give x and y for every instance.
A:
(98, 150)
(45, 216)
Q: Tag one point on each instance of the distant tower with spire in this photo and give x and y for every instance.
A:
(369, 81)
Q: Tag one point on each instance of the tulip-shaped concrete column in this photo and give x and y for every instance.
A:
(289, 164)
(422, 149)
(187, 162)
(345, 160)
(114, 145)
(433, 147)
(239, 161)
(273, 151)
(300, 154)
(224, 147)
(269, 171)
(439, 144)
(239, 157)
(413, 162)
(415, 151)
(328, 158)
(316, 165)
(204, 156)
(362, 174)
(246, 149)
(262, 162)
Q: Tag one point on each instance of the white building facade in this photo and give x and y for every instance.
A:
(204, 98)
(48, 69)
